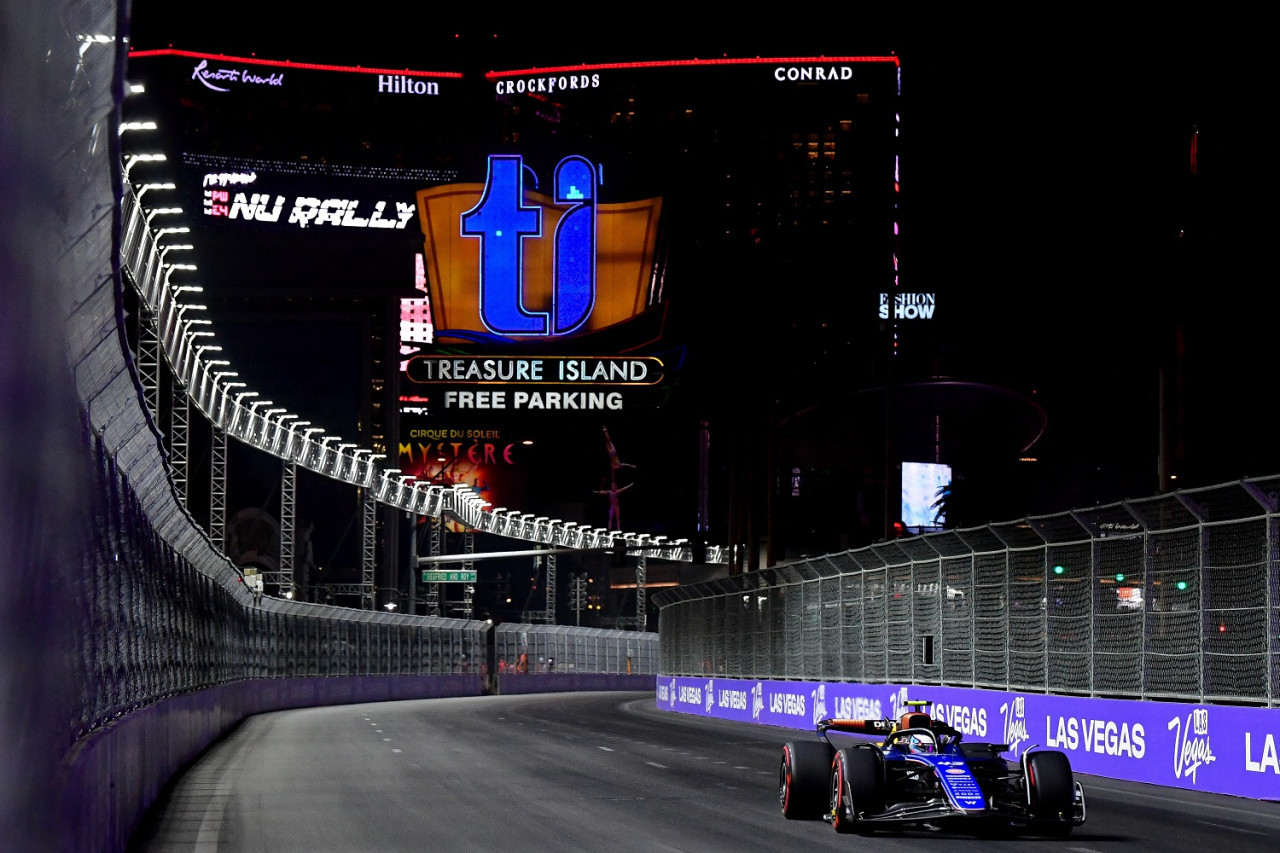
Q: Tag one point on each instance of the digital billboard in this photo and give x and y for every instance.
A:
(924, 485)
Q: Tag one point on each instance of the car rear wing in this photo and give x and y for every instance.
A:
(856, 727)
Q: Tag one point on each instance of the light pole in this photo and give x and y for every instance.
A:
(162, 211)
(188, 370)
(133, 159)
(171, 312)
(174, 247)
(222, 402)
(355, 463)
(401, 480)
(128, 126)
(338, 463)
(185, 347)
(181, 326)
(143, 188)
(207, 375)
(253, 413)
(170, 269)
(288, 445)
(324, 449)
(203, 348)
(239, 408)
(209, 383)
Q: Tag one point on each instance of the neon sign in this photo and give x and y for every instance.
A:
(502, 222)
(210, 77)
(908, 306)
(305, 211)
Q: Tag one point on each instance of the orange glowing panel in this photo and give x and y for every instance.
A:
(625, 239)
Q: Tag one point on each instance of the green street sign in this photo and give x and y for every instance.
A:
(429, 576)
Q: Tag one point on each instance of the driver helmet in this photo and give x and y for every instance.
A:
(919, 743)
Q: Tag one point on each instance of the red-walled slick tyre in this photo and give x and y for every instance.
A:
(802, 779)
(856, 788)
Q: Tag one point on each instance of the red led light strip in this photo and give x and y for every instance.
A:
(284, 63)
(553, 69)
(685, 63)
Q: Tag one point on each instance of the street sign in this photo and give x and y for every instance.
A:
(429, 576)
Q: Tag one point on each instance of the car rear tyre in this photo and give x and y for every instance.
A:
(1051, 789)
(802, 779)
(857, 787)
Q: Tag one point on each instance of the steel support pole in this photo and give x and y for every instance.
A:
(218, 488)
(288, 487)
(368, 547)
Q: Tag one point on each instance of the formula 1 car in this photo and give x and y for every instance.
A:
(923, 775)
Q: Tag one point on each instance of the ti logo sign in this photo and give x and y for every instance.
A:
(521, 257)
(503, 222)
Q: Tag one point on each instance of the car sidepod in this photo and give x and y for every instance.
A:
(957, 782)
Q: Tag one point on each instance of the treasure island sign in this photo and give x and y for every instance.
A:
(565, 281)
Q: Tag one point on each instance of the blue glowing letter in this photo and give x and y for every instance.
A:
(501, 220)
(575, 258)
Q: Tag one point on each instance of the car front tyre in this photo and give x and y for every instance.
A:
(857, 787)
(1051, 790)
(802, 779)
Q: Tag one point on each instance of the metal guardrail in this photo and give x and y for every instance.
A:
(1171, 597)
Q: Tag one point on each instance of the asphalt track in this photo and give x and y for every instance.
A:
(585, 771)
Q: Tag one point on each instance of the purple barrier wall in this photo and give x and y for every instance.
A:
(1218, 748)
(113, 775)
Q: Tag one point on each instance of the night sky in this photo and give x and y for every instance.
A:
(1045, 175)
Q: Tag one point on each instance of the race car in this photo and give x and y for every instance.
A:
(923, 775)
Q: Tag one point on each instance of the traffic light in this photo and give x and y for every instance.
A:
(1057, 570)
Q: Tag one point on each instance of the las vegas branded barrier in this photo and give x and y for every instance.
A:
(1215, 748)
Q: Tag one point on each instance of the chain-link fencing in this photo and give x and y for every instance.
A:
(553, 648)
(153, 624)
(1170, 597)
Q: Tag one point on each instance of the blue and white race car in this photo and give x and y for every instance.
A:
(923, 774)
